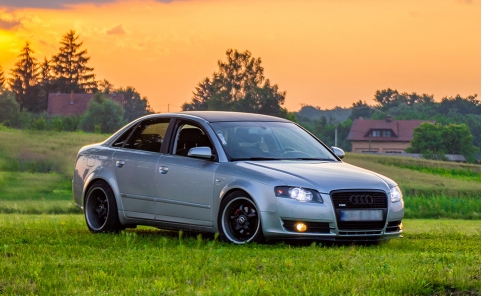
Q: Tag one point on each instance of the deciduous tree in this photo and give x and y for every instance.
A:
(134, 105)
(238, 85)
(360, 110)
(9, 109)
(102, 114)
(435, 140)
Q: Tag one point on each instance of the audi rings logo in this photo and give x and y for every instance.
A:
(361, 199)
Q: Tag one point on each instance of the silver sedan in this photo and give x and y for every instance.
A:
(248, 177)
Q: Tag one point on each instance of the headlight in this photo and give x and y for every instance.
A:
(395, 194)
(298, 193)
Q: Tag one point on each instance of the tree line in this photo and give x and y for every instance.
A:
(457, 129)
(24, 95)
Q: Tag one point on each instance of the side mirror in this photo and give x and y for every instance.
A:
(338, 152)
(201, 152)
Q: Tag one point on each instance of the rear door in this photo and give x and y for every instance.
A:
(136, 166)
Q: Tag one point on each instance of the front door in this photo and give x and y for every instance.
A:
(185, 184)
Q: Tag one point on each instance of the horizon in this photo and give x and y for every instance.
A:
(324, 54)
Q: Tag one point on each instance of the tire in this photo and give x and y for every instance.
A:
(239, 221)
(100, 209)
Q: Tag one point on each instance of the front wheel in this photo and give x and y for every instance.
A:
(100, 209)
(239, 220)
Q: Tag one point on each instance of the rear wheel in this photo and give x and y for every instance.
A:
(239, 220)
(101, 209)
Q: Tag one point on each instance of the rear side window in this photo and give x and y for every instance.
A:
(147, 135)
(120, 142)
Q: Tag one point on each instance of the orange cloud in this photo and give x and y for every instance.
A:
(117, 30)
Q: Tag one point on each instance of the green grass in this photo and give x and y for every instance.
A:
(419, 177)
(37, 207)
(436, 207)
(57, 255)
(453, 169)
(17, 186)
(42, 151)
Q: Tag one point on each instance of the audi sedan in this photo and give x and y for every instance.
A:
(248, 177)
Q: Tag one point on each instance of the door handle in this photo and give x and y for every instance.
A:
(119, 163)
(163, 170)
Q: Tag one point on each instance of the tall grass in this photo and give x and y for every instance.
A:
(430, 166)
(442, 207)
(423, 177)
(42, 151)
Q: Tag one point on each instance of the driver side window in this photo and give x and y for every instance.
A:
(189, 136)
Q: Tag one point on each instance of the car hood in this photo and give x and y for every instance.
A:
(320, 175)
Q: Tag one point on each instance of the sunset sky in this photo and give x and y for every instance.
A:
(323, 53)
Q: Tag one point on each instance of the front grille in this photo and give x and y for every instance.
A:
(343, 200)
(314, 227)
(393, 226)
(350, 199)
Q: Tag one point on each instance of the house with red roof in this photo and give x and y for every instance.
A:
(74, 104)
(382, 136)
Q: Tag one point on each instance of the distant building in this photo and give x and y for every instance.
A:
(382, 136)
(74, 104)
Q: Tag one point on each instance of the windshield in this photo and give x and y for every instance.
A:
(269, 141)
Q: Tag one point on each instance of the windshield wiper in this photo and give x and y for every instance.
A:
(256, 158)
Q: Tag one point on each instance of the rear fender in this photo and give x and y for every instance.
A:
(107, 176)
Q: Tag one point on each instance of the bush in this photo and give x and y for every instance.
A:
(39, 124)
(102, 112)
(56, 123)
(70, 123)
(9, 110)
(435, 140)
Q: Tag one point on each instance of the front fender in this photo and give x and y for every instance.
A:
(262, 194)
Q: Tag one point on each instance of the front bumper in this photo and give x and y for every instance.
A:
(322, 223)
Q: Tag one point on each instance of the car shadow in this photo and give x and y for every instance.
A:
(194, 235)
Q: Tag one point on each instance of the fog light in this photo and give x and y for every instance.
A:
(400, 226)
(301, 227)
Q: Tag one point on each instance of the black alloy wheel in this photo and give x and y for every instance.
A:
(101, 209)
(239, 220)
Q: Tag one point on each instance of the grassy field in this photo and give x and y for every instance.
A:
(36, 173)
(420, 177)
(57, 255)
(43, 251)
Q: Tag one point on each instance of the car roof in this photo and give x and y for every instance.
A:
(225, 116)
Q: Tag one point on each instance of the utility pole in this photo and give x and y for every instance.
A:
(336, 137)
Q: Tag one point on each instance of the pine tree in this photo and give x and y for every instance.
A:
(70, 69)
(2, 79)
(45, 82)
(24, 81)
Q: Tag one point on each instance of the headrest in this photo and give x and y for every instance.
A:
(190, 134)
